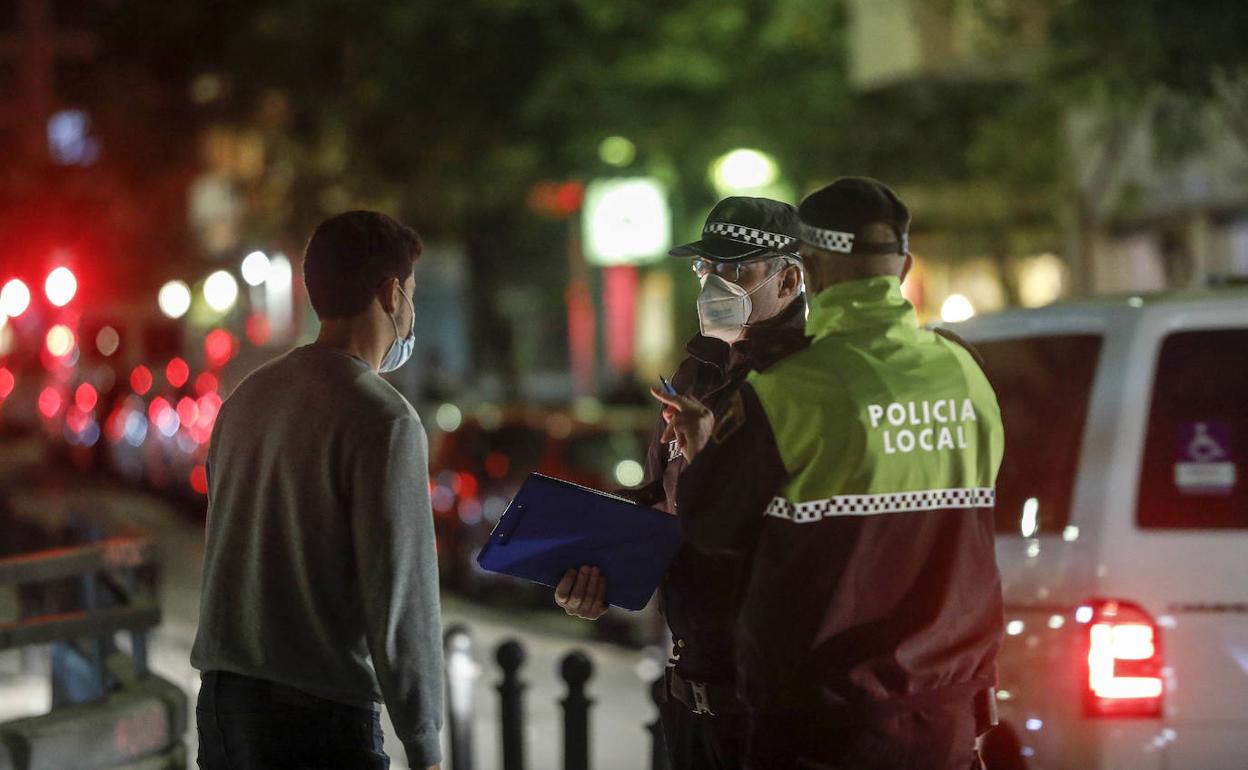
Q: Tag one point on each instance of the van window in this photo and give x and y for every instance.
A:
(1196, 447)
(1043, 385)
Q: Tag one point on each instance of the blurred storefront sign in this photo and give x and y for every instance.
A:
(626, 221)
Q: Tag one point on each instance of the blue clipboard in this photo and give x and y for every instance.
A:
(553, 526)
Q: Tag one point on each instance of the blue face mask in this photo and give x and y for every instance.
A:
(402, 347)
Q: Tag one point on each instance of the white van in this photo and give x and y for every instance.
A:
(1122, 521)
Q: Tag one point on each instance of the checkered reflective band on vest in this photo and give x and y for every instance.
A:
(872, 505)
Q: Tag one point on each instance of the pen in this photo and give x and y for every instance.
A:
(667, 386)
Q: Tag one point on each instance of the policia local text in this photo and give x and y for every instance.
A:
(944, 413)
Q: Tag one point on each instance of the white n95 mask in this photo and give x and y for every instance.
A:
(724, 308)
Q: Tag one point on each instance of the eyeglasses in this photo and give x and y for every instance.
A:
(731, 271)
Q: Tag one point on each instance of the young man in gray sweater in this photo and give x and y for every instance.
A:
(320, 548)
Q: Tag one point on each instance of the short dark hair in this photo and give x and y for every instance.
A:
(349, 256)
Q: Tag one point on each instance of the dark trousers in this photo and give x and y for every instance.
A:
(701, 741)
(252, 724)
(938, 738)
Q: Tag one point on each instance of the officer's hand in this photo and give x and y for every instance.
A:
(691, 423)
(583, 593)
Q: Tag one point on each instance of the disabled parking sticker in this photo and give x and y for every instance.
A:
(1204, 464)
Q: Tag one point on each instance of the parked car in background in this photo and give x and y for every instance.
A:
(1122, 532)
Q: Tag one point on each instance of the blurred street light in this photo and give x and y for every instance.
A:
(744, 170)
(279, 297)
(14, 298)
(956, 308)
(60, 340)
(617, 151)
(629, 473)
(221, 291)
(448, 418)
(255, 268)
(61, 286)
(174, 299)
(107, 341)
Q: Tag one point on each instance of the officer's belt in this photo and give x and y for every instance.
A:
(701, 697)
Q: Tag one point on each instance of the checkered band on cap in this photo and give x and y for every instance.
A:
(872, 505)
(750, 235)
(828, 240)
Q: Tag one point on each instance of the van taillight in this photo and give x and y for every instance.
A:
(1124, 662)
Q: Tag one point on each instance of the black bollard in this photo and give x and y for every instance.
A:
(658, 742)
(576, 669)
(510, 656)
(461, 673)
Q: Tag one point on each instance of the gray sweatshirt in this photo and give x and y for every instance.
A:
(320, 547)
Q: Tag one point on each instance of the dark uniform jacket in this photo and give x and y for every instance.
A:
(700, 596)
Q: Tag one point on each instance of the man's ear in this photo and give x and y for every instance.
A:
(388, 295)
(790, 281)
(905, 267)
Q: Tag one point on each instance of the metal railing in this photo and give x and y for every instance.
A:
(108, 710)
(576, 669)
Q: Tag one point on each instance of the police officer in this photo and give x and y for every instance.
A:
(861, 470)
(751, 314)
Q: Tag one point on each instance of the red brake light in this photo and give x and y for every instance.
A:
(85, 397)
(141, 380)
(49, 402)
(177, 372)
(1124, 660)
(466, 485)
(199, 479)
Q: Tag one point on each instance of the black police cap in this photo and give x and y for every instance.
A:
(739, 228)
(834, 217)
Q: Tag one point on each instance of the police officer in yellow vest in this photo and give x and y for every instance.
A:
(863, 468)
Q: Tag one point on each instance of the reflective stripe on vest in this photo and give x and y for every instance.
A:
(871, 505)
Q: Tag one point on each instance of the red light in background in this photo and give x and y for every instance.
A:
(177, 372)
(619, 296)
(7, 381)
(497, 464)
(188, 411)
(157, 408)
(61, 286)
(141, 380)
(199, 479)
(219, 347)
(1124, 661)
(114, 426)
(258, 329)
(209, 404)
(85, 397)
(206, 383)
(76, 419)
(568, 198)
(49, 402)
(558, 200)
(467, 485)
